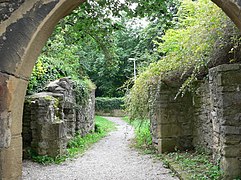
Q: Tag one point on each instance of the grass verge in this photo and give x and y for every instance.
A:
(189, 165)
(78, 145)
(192, 165)
(143, 139)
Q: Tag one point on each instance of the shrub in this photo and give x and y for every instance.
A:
(143, 138)
(189, 48)
(107, 104)
(82, 89)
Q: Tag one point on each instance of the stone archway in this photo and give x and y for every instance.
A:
(232, 8)
(24, 28)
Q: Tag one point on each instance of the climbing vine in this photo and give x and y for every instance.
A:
(188, 48)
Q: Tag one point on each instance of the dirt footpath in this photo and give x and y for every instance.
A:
(109, 159)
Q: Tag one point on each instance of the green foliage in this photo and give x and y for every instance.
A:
(43, 72)
(96, 40)
(41, 159)
(107, 104)
(55, 61)
(78, 144)
(82, 89)
(194, 165)
(188, 47)
(143, 138)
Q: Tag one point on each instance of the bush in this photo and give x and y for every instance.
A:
(82, 89)
(188, 49)
(107, 104)
(143, 138)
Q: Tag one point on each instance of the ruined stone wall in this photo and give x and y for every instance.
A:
(208, 119)
(44, 131)
(85, 115)
(52, 118)
(225, 83)
(171, 119)
(182, 122)
(202, 123)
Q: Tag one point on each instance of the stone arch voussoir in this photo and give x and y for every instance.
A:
(232, 8)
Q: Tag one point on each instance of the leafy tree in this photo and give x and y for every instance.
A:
(96, 41)
(201, 30)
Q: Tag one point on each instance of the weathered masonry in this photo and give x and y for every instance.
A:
(51, 118)
(209, 119)
(24, 29)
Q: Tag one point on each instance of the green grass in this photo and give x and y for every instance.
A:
(193, 165)
(78, 145)
(143, 139)
(190, 165)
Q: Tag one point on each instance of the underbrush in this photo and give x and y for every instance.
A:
(189, 165)
(192, 165)
(143, 139)
(78, 144)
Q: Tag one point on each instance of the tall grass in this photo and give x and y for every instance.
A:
(143, 139)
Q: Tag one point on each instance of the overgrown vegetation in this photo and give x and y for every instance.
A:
(197, 164)
(193, 165)
(78, 145)
(97, 39)
(143, 139)
(82, 89)
(189, 48)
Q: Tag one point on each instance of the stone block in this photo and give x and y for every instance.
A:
(227, 130)
(11, 160)
(230, 79)
(231, 150)
(169, 130)
(12, 91)
(186, 129)
(216, 125)
(230, 167)
(53, 131)
(226, 67)
(165, 116)
(167, 145)
(231, 100)
(232, 139)
(232, 119)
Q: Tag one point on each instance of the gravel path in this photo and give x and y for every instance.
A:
(109, 159)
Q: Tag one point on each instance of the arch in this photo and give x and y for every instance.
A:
(232, 8)
(23, 32)
(24, 28)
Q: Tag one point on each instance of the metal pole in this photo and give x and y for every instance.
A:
(134, 60)
(134, 68)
